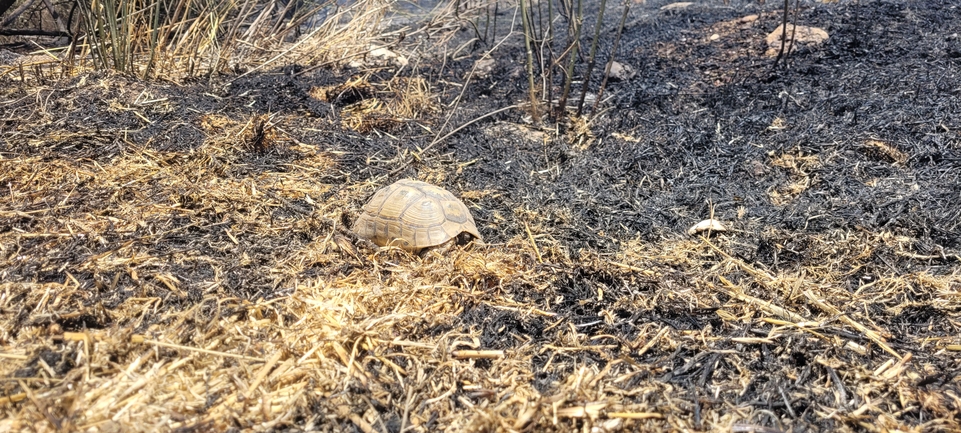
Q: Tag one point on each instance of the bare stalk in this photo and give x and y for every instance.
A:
(549, 42)
(528, 35)
(575, 43)
(610, 61)
(590, 57)
(784, 21)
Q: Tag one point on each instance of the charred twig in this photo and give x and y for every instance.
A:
(16, 13)
(610, 61)
(590, 57)
(575, 31)
(528, 36)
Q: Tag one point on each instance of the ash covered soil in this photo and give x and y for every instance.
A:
(135, 211)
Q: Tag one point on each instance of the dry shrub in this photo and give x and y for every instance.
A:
(178, 39)
(383, 106)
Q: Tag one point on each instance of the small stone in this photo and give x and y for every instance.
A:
(483, 67)
(711, 225)
(749, 19)
(803, 35)
(388, 56)
(715, 37)
(621, 71)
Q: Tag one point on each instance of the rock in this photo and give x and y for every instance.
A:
(389, 56)
(803, 35)
(380, 56)
(710, 225)
(483, 67)
(621, 71)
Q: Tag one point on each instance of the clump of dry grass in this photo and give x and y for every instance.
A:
(178, 39)
(799, 168)
(367, 106)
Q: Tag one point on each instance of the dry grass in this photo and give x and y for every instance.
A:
(177, 40)
(213, 286)
(366, 107)
(156, 323)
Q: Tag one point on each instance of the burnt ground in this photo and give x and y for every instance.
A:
(141, 222)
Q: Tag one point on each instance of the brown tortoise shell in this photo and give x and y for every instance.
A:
(413, 215)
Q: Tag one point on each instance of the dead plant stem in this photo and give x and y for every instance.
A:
(573, 47)
(528, 35)
(610, 61)
(591, 56)
(766, 280)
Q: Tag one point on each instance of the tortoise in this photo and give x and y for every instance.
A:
(416, 216)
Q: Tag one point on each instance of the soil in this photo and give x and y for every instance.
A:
(836, 171)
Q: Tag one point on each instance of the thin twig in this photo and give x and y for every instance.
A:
(766, 279)
(141, 339)
(591, 57)
(610, 61)
(528, 35)
(404, 165)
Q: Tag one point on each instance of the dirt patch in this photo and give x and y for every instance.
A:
(177, 256)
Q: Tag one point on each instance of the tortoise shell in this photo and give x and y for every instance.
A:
(414, 215)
